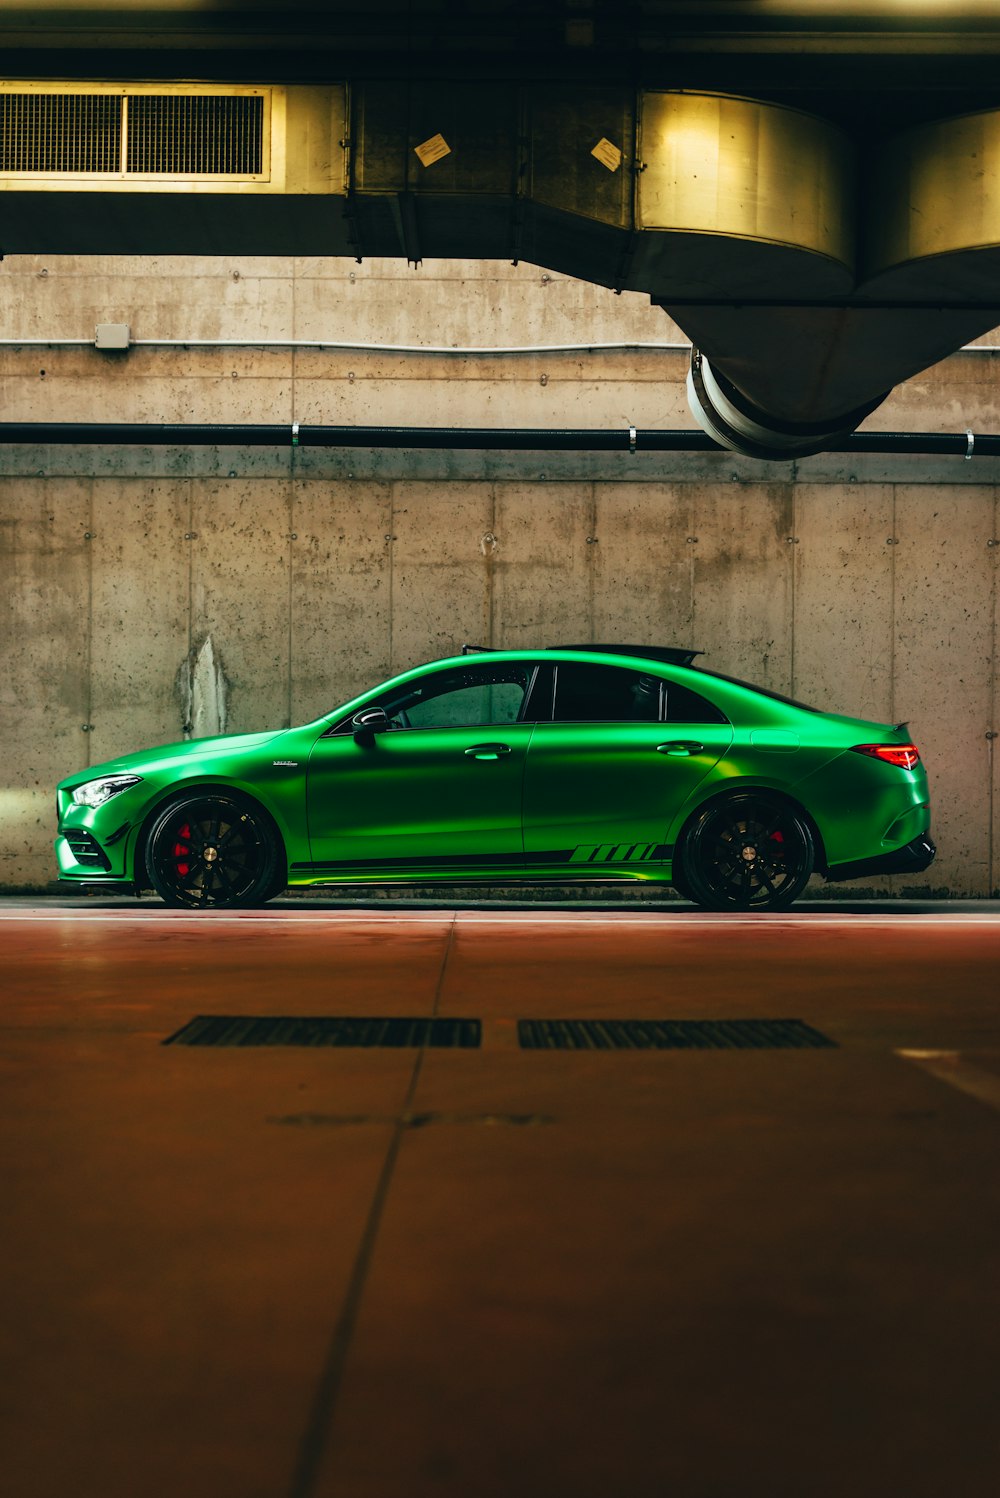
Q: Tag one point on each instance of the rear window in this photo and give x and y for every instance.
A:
(685, 706)
(751, 686)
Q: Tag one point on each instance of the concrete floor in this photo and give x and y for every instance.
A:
(300, 1273)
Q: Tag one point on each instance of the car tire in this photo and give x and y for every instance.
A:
(214, 849)
(747, 851)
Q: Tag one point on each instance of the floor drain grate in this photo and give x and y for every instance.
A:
(394, 1032)
(668, 1035)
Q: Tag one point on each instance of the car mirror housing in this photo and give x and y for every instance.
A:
(367, 723)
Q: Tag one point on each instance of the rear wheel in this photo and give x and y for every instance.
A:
(214, 849)
(749, 851)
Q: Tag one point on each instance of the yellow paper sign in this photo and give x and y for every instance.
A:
(607, 154)
(432, 150)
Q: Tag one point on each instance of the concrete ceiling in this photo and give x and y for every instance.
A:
(850, 60)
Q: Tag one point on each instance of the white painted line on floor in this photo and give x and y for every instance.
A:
(951, 1067)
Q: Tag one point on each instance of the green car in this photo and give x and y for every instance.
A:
(600, 762)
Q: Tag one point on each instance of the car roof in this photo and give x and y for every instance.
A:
(667, 655)
(671, 655)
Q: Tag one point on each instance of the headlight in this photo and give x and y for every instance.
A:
(96, 792)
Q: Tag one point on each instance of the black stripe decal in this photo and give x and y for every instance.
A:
(440, 861)
(653, 854)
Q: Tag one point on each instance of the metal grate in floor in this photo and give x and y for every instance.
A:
(668, 1035)
(394, 1032)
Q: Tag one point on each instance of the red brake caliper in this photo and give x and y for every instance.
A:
(182, 850)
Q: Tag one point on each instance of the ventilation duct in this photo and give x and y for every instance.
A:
(822, 288)
(809, 282)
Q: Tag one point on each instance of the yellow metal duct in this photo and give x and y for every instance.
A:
(936, 193)
(818, 297)
(736, 169)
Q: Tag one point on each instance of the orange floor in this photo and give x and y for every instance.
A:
(499, 1273)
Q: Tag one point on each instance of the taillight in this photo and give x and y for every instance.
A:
(903, 756)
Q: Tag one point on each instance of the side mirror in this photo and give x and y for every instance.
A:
(367, 723)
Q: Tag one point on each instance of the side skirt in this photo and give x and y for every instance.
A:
(602, 864)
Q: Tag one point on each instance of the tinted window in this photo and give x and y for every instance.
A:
(761, 691)
(685, 706)
(605, 694)
(470, 697)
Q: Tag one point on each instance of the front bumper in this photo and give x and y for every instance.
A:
(102, 882)
(913, 858)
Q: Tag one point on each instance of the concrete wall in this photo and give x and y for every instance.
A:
(147, 589)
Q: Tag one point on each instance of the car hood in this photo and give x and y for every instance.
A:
(168, 754)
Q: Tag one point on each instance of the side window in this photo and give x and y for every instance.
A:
(471, 697)
(685, 706)
(605, 694)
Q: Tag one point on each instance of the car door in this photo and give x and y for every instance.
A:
(440, 790)
(605, 778)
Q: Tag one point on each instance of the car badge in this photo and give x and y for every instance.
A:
(292, 764)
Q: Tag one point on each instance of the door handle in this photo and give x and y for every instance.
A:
(487, 751)
(680, 747)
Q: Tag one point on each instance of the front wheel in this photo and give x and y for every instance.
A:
(213, 849)
(749, 851)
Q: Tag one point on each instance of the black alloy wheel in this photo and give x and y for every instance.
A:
(211, 850)
(748, 851)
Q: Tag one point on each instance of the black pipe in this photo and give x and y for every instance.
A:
(506, 439)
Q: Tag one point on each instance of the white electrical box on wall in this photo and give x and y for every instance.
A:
(112, 335)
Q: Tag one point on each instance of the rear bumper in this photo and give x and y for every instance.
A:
(913, 858)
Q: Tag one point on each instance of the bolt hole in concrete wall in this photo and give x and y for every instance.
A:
(151, 593)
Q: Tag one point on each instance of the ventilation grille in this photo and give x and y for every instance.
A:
(668, 1035)
(394, 1032)
(215, 134)
(133, 135)
(74, 133)
(87, 850)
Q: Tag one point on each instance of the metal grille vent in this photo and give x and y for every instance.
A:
(667, 1035)
(188, 136)
(75, 133)
(87, 850)
(144, 135)
(394, 1032)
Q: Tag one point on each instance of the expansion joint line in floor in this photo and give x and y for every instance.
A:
(315, 1436)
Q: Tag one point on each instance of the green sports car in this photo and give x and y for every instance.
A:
(599, 762)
